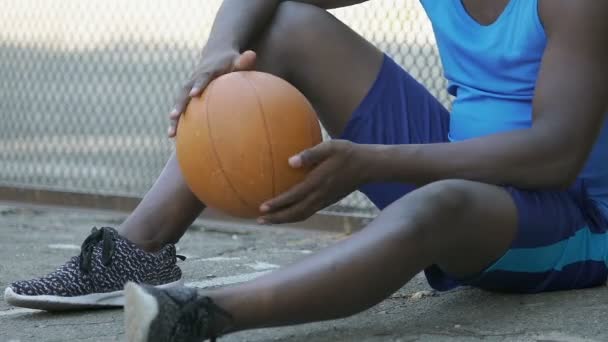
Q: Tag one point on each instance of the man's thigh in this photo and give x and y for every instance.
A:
(325, 59)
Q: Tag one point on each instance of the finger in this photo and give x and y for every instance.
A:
(181, 100)
(174, 115)
(291, 196)
(199, 84)
(311, 156)
(313, 203)
(172, 129)
(245, 61)
(298, 212)
(297, 193)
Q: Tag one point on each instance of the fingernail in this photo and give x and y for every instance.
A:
(194, 91)
(264, 208)
(295, 161)
(261, 221)
(174, 112)
(170, 130)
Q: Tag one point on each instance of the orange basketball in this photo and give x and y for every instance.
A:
(234, 141)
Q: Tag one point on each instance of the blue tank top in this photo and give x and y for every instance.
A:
(492, 71)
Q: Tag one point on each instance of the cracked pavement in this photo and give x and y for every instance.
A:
(35, 240)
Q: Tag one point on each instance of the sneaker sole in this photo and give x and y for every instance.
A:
(141, 309)
(58, 303)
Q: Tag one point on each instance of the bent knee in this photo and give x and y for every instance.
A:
(295, 25)
(448, 196)
(298, 15)
(430, 208)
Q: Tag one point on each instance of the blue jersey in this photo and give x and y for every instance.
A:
(492, 71)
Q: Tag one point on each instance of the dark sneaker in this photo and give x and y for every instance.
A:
(97, 276)
(178, 314)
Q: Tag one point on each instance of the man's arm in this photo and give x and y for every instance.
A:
(236, 25)
(568, 112)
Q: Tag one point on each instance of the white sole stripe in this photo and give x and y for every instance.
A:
(45, 302)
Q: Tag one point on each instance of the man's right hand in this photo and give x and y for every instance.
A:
(212, 64)
(235, 26)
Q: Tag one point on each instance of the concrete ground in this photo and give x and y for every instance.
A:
(34, 241)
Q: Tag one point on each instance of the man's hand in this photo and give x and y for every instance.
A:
(212, 65)
(338, 169)
(235, 27)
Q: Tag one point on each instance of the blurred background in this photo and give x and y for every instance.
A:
(86, 85)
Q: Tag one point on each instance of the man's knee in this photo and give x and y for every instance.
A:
(430, 213)
(434, 207)
(445, 197)
(451, 196)
(294, 28)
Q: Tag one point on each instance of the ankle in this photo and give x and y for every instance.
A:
(223, 323)
(147, 244)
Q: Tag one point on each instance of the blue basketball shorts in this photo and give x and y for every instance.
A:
(562, 240)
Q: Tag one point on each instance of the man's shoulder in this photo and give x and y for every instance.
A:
(560, 13)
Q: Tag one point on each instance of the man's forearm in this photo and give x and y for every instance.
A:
(525, 158)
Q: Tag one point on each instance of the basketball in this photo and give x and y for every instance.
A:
(233, 142)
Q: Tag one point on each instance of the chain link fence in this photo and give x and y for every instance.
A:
(86, 85)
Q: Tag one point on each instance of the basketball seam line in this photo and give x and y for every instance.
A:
(311, 126)
(217, 157)
(268, 137)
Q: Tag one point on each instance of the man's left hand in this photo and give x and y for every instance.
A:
(338, 168)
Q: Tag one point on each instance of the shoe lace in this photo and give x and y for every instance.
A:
(105, 234)
(201, 315)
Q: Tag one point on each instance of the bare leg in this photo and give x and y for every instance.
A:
(461, 226)
(326, 60)
(165, 212)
